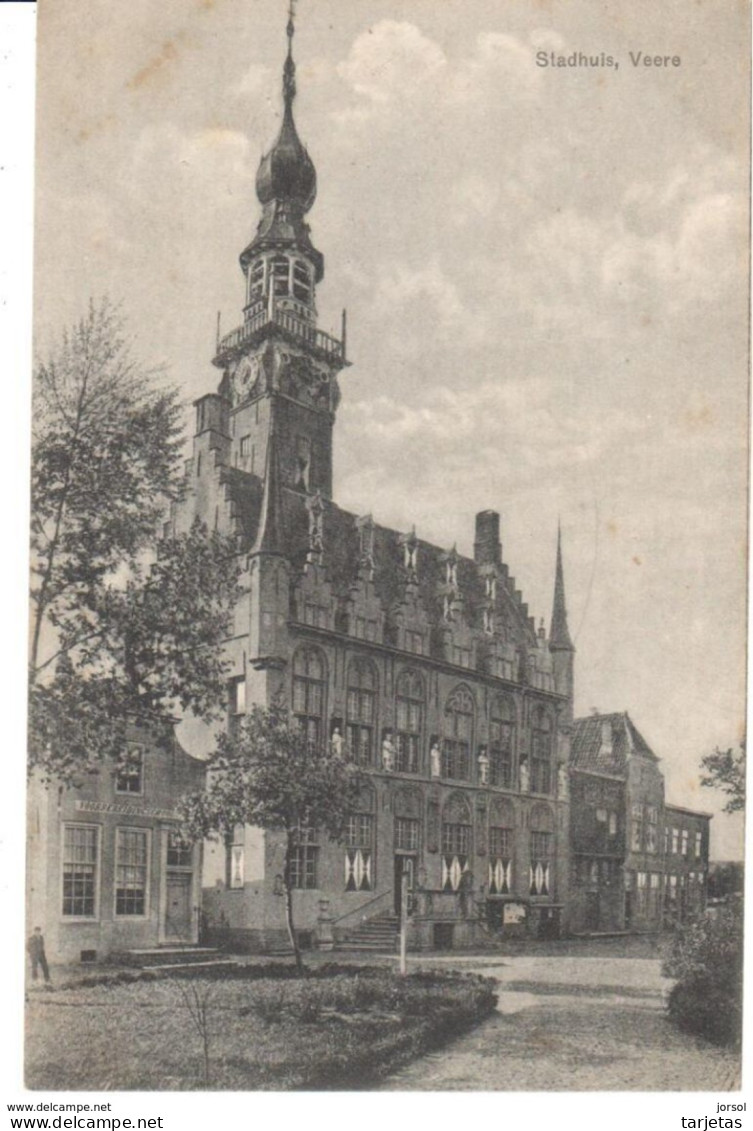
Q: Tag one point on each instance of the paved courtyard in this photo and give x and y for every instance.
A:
(572, 1024)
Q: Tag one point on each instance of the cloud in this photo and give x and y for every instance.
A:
(391, 61)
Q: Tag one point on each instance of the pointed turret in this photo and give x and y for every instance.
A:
(559, 633)
(560, 642)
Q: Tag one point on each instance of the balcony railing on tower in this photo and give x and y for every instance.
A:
(286, 322)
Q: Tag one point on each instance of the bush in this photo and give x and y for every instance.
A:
(706, 958)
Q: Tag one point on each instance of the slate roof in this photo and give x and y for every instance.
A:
(589, 752)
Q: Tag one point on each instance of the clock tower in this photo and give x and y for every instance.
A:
(279, 370)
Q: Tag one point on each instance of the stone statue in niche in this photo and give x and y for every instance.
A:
(525, 776)
(336, 742)
(435, 759)
(563, 780)
(483, 766)
(388, 752)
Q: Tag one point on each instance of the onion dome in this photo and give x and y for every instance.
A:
(286, 173)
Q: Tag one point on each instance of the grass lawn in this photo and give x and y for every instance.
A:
(335, 1028)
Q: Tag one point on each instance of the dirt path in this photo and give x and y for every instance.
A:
(574, 1025)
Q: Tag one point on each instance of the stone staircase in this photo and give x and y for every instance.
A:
(378, 933)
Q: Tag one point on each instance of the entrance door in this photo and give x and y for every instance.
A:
(178, 917)
(404, 865)
(592, 910)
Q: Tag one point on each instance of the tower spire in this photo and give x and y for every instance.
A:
(559, 634)
(288, 70)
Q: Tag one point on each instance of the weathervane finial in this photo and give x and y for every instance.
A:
(288, 74)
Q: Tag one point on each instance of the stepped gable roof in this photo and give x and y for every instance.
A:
(342, 553)
(590, 752)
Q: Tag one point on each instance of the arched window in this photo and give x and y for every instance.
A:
(458, 735)
(457, 839)
(541, 752)
(361, 711)
(308, 694)
(541, 832)
(359, 844)
(501, 846)
(501, 742)
(410, 713)
(280, 275)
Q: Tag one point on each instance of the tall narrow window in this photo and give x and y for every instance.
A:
(410, 708)
(698, 846)
(501, 836)
(456, 842)
(304, 860)
(540, 847)
(256, 281)
(131, 863)
(80, 844)
(458, 735)
(301, 281)
(308, 694)
(361, 711)
(541, 752)
(359, 845)
(280, 276)
(501, 737)
(636, 827)
(652, 829)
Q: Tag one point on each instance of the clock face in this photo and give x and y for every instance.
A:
(244, 378)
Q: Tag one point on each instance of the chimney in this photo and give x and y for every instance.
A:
(487, 549)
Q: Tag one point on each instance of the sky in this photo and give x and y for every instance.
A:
(545, 272)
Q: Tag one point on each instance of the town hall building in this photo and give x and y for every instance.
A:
(425, 663)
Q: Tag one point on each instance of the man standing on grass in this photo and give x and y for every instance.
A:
(35, 949)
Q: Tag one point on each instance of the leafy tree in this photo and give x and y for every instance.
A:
(725, 770)
(706, 958)
(268, 775)
(124, 623)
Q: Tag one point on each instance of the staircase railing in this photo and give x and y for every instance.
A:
(383, 896)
